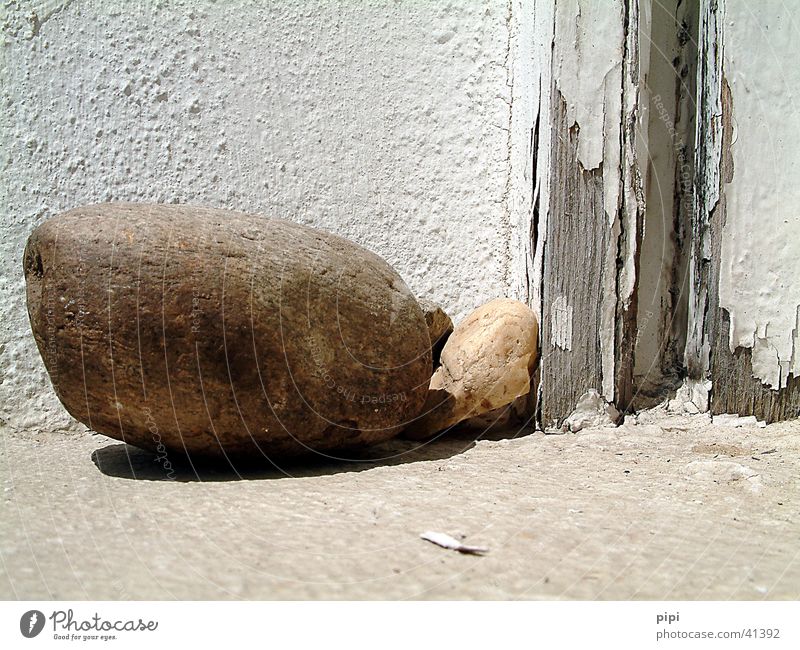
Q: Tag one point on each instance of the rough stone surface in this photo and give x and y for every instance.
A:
(607, 514)
(385, 123)
(486, 364)
(517, 414)
(440, 327)
(223, 334)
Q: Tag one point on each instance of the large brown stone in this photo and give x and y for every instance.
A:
(217, 333)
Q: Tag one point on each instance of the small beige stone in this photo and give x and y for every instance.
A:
(440, 327)
(511, 416)
(486, 364)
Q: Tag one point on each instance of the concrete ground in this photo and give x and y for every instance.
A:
(669, 508)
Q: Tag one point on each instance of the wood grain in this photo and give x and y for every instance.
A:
(577, 238)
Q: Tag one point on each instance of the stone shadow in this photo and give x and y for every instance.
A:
(126, 461)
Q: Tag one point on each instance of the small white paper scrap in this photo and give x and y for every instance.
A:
(445, 541)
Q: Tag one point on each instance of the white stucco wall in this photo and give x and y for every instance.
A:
(387, 122)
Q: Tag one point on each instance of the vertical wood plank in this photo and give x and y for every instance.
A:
(734, 388)
(593, 229)
(577, 238)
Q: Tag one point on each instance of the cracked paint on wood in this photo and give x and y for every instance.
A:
(743, 324)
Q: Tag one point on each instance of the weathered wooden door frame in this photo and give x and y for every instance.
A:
(602, 106)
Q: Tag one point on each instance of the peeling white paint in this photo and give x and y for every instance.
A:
(587, 60)
(766, 362)
(633, 164)
(691, 398)
(591, 411)
(733, 421)
(589, 46)
(760, 258)
(525, 74)
(608, 315)
(543, 34)
(708, 157)
(588, 50)
(561, 328)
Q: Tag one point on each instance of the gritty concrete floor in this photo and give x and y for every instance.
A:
(671, 508)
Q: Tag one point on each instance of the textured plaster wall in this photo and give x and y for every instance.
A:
(387, 122)
(760, 261)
